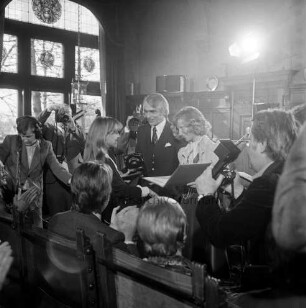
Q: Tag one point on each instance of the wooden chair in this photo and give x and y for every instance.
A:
(10, 232)
(127, 281)
(59, 272)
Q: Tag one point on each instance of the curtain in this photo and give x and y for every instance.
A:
(103, 89)
(2, 11)
(115, 81)
(112, 76)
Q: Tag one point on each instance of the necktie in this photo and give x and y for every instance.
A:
(154, 136)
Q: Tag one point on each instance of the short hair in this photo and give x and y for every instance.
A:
(91, 187)
(95, 141)
(28, 122)
(278, 129)
(194, 118)
(299, 113)
(157, 100)
(161, 224)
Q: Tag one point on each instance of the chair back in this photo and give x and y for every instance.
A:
(60, 270)
(127, 281)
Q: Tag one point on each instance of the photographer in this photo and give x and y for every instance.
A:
(272, 135)
(68, 143)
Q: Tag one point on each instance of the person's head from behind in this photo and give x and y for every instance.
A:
(155, 108)
(272, 135)
(103, 134)
(28, 129)
(63, 114)
(299, 113)
(161, 225)
(91, 187)
(189, 122)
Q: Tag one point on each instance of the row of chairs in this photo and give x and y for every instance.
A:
(57, 272)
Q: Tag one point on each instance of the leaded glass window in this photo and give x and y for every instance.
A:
(47, 58)
(8, 103)
(9, 61)
(41, 100)
(89, 64)
(22, 10)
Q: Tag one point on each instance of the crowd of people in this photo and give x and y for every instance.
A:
(169, 228)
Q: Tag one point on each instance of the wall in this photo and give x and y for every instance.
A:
(191, 37)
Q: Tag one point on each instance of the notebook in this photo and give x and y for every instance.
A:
(182, 175)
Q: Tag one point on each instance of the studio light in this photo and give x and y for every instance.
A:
(247, 48)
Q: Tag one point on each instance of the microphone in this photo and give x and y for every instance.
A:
(245, 137)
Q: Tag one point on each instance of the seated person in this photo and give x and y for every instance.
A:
(103, 136)
(91, 189)
(272, 135)
(161, 225)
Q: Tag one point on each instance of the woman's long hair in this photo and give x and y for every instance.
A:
(96, 138)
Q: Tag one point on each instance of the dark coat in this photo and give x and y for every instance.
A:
(249, 219)
(160, 159)
(66, 224)
(122, 193)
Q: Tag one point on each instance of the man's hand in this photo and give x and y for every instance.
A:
(6, 260)
(71, 125)
(238, 187)
(23, 201)
(125, 221)
(206, 184)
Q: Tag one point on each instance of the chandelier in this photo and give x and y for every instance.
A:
(78, 86)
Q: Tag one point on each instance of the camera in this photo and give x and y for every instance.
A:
(134, 161)
(62, 118)
(227, 152)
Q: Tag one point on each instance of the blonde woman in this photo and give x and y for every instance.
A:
(102, 136)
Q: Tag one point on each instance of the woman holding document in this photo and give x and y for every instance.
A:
(103, 135)
(190, 125)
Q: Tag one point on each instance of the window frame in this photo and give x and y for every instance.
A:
(25, 82)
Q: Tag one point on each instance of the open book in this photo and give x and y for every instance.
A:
(182, 175)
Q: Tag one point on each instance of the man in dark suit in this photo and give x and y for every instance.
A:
(247, 223)
(155, 140)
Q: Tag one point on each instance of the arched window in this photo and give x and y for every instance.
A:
(50, 56)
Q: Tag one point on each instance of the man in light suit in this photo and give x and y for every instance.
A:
(155, 140)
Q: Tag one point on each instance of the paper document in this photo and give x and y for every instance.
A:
(182, 175)
(158, 180)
